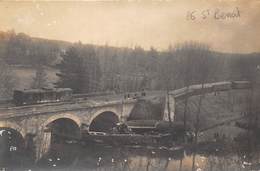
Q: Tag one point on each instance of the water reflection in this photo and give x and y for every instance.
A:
(106, 158)
(93, 157)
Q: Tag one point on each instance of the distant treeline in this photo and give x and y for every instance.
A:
(89, 68)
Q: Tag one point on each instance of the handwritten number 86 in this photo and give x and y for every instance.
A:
(191, 15)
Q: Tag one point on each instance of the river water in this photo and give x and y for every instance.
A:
(92, 157)
(241, 153)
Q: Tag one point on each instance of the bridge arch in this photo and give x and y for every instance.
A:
(12, 137)
(14, 127)
(104, 121)
(62, 116)
(63, 125)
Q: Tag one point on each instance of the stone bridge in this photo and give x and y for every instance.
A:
(67, 117)
(35, 123)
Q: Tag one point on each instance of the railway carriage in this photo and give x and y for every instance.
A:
(38, 96)
(222, 86)
(241, 84)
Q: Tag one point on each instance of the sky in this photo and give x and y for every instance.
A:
(142, 23)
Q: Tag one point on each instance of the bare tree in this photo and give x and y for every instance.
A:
(202, 68)
(184, 75)
(40, 78)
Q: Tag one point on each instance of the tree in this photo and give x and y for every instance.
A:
(40, 79)
(111, 72)
(202, 69)
(7, 81)
(91, 68)
(243, 67)
(248, 68)
(184, 54)
(17, 49)
(42, 52)
(70, 70)
(153, 69)
(79, 69)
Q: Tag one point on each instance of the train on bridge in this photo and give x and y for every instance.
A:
(44, 95)
(51, 95)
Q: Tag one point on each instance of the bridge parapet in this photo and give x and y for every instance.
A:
(10, 112)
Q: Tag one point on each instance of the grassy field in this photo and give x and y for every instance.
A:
(25, 75)
(216, 108)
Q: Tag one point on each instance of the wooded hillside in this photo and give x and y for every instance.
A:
(121, 69)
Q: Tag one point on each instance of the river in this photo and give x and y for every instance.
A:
(92, 157)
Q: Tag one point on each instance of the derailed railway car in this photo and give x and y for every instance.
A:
(38, 96)
(197, 89)
(222, 86)
(241, 84)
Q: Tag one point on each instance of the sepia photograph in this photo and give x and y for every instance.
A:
(129, 85)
